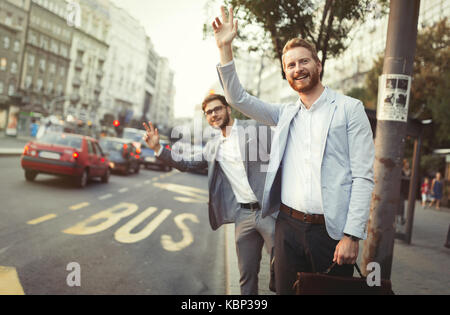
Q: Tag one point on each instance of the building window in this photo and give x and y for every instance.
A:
(50, 87)
(28, 81)
(6, 42)
(14, 67)
(39, 85)
(3, 64)
(11, 89)
(63, 71)
(42, 65)
(16, 46)
(1, 87)
(8, 19)
(31, 60)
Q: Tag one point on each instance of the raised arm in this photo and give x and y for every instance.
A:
(195, 162)
(225, 31)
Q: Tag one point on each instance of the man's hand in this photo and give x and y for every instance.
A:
(152, 137)
(346, 251)
(224, 33)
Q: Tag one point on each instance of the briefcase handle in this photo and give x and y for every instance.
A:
(355, 265)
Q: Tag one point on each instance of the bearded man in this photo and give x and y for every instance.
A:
(237, 161)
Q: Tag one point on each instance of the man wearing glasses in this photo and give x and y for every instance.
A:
(241, 148)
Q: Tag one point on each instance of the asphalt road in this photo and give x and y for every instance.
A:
(140, 234)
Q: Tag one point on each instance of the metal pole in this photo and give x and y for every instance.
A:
(390, 140)
(413, 189)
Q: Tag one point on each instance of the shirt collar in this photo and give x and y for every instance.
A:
(318, 103)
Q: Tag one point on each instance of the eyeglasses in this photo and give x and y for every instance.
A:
(216, 110)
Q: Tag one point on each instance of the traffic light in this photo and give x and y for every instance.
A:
(116, 123)
(118, 127)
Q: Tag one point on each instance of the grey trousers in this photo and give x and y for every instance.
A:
(251, 233)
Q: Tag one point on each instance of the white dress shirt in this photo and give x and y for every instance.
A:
(230, 160)
(300, 183)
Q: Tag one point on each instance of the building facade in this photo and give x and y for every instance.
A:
(88, 55)
(125, 68)
(368, 41)
(13, 23)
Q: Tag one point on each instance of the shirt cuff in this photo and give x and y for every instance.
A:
(159, 151)
(226, 65)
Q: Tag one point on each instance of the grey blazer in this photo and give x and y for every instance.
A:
(347, 148)
(255, 144)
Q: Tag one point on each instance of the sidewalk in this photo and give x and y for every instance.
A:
(419, 268)
(12, 145)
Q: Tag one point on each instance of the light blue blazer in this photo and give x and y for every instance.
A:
(347, 160)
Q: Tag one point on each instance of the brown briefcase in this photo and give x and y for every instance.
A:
(323, 284)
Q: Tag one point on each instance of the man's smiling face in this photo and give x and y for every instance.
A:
(302, 72)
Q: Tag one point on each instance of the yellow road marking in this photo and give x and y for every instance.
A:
(9, 282)
(79, 206)
(42, 219)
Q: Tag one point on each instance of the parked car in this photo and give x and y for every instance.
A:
(65, 154)
(148, 158)
(123, 154)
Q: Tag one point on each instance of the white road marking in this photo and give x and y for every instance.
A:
(122, 190)
(105, 197)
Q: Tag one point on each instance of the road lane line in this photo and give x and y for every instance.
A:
(42, 219)
(79, 206)
(122, 190)
(105, 196)
(9, 282)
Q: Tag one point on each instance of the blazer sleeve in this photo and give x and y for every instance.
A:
(362, 155)
(237, 97)
(193, 162)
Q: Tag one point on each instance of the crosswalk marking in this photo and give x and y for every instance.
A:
(105, 196)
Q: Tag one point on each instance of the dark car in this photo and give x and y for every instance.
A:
(148, 158)
(123, 154)
(65, 154)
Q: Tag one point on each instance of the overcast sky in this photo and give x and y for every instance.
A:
(176, 30)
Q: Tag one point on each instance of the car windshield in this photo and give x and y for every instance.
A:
(61, 139)
(111, 145)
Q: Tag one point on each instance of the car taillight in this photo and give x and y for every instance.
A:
(168, 147)
(137, 156)
(26, 150)
(102, 160)
(75, 155)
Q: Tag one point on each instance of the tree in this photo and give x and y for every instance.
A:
(325, 23)
(430, 88)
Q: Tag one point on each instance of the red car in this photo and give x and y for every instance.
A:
(65, 154)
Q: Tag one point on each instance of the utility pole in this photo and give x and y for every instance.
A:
(392, 113)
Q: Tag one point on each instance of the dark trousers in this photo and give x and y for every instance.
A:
(302, 247)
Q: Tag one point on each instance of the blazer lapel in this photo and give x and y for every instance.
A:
(212, 158)
(331, 101)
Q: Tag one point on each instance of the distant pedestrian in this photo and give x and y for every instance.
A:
(436, 190)
(425, 191)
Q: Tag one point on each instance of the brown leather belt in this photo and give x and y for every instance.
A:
(304, 217)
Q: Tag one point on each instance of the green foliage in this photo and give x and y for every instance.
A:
(430, 89)
(324, 23)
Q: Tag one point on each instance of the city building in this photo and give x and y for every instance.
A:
(46, 60)
(88, 55)
(368, 42)
(125, 68)
(165, 92)
(149, 111)
(13, 21)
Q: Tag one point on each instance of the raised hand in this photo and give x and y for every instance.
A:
(224, 33)
(151, 137)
